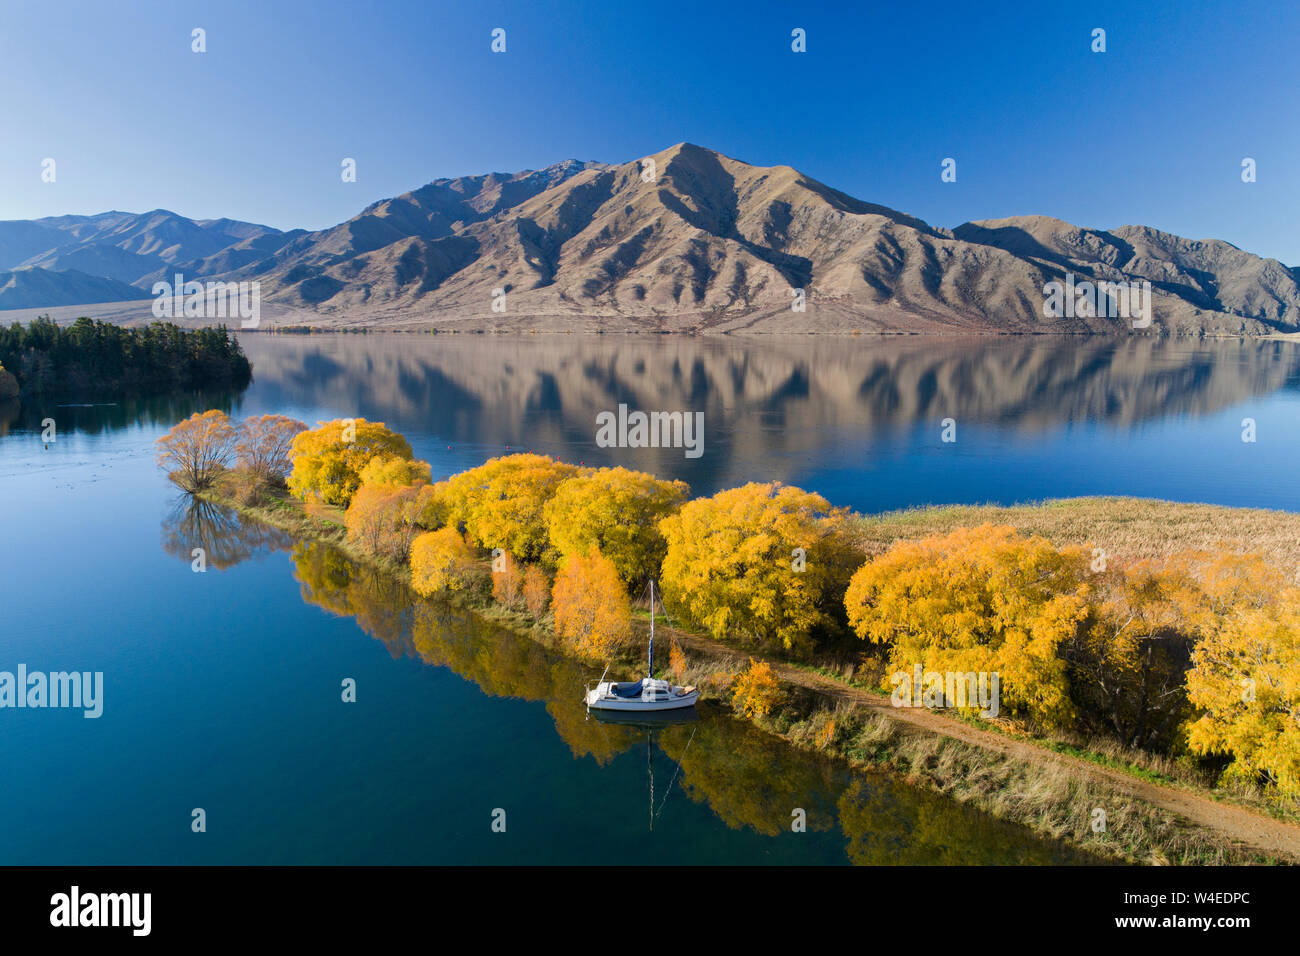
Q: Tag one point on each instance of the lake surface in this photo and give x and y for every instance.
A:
(223, 688)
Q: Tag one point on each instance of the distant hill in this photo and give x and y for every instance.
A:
(38, 288)
(128, 247)
(706, 242)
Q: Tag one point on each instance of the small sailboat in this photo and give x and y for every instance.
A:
(647, 694)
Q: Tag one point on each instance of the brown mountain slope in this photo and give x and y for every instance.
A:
(712, 242)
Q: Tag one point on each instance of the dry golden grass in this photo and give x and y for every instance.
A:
(1127, 529)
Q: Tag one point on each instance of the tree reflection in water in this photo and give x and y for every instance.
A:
(226, 539)
(747, 779)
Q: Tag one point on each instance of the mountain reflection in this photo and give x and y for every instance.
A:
(782, 395)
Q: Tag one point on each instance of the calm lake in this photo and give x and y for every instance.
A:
(222, 689)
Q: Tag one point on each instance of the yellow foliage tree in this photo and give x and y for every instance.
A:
(442, 561)
(1245, 680)
(757, 691)
(434, 509)
(393, 471)
(982, 600)
(618, 512)
(591, 606)
(500, 503)
(764, 562)
(328, 460)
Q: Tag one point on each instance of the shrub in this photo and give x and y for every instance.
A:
(756, 691)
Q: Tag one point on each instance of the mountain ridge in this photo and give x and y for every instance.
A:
(684, 239)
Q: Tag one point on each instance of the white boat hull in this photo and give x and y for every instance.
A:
(660, 697)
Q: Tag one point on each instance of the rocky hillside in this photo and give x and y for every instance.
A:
(689, 239)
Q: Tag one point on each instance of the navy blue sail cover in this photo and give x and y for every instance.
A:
(628, 690)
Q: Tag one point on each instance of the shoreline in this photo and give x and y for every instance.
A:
(293, 320)
(1047, 786)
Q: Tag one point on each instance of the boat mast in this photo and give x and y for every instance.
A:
(652, 630)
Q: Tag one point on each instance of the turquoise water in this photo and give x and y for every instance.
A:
(222, 689)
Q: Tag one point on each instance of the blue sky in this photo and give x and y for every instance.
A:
(1153, 131)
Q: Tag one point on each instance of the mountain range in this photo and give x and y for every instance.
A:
(684, 240)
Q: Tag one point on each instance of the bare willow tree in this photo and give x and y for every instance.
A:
(194, 452)
(265, 445)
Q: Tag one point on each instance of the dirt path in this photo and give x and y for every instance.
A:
(1236, 823)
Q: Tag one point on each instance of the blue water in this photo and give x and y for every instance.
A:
(223, 688)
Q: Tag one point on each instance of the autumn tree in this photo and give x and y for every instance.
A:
(443, 561)
(507, 581)
(434, 509)
(618, 512)
(500, 503)
(982, 600)
(761, 563)
(591, 607)
(265, 444)
(392, 471)
(328, 460)
(1127, 664)
(381, 520)
(1245, 684)
(537, 590)
(197, 450)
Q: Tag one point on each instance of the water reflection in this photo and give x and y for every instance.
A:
(767, 400)
(748, 780)
(160, 411)
(224, 537)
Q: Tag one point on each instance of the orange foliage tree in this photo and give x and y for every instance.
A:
(393, 471)
(507, 581)
(197, 450)
(760, 563)
(537, 590)
(591, 606)
(381, 520)
(757, 691)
